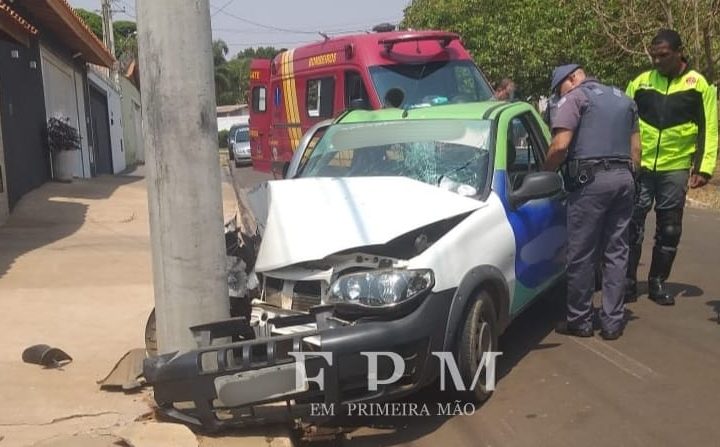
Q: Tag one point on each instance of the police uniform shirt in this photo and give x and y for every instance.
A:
(567, 111)
(602, 119)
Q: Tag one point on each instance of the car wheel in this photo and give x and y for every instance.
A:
(237, 163)
(479, 335)
(151, 347)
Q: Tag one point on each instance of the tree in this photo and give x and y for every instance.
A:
(92, 20)
(124, 34)
(520, 39)
(223, 74)
(628, 26)
(232, 77)
(220, 50)
(526, 39)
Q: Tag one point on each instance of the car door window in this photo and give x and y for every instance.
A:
(524, 154)
(355, 89)
(320, 97)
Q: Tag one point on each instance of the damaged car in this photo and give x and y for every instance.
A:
(410, 231)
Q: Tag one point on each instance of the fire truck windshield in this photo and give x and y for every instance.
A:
(418, 85)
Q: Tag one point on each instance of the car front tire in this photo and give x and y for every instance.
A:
(479, 335)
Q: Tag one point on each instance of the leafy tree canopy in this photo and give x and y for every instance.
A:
(232, 77)
(525, 39)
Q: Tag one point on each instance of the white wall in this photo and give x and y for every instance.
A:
(115, 116)
(132, 123)
(225, 122)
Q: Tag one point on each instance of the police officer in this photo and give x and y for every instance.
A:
(595, 134)
(678, 125)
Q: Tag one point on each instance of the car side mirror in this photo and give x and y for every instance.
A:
(536, 185)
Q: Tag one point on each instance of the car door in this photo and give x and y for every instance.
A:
(538, 225)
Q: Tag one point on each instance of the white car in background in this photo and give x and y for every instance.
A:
(241, 146)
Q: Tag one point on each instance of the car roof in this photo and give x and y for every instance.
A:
(469, 110)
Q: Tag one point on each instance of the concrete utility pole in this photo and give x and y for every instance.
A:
(109, 38)
(183, 168)
(108, 35)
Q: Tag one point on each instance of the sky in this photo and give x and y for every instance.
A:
(279, 23)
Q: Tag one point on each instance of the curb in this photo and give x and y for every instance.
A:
(694, 203)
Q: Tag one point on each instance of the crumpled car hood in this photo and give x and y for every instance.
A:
(309, 219)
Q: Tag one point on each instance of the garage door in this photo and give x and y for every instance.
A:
(101, 131)
(64, 99)
(4, 204)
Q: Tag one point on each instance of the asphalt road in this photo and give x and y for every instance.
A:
(657, 385)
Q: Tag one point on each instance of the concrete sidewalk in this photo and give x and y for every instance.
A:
(75, 273)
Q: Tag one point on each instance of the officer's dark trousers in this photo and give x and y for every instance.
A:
(667, 189)
(598, 218)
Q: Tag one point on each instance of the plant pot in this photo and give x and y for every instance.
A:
(64, 165)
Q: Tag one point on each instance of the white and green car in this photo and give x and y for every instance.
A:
(408, 231)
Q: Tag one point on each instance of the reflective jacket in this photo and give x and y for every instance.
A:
(678, 121)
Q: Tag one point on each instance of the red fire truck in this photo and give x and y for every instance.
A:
(306, 85)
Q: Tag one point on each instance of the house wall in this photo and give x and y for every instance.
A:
(115, 117)
(22, 109)
(132, 123)
(226, 122)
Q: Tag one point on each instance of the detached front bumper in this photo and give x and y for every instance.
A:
(220, 385)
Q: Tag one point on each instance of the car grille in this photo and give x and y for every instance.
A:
(295, 295)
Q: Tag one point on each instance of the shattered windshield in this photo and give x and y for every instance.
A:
(452, 154)
(432, 83)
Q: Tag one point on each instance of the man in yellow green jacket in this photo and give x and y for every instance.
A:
(679, 131)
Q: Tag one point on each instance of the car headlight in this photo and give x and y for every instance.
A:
(380, 288)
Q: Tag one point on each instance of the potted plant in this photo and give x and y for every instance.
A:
(64, 143)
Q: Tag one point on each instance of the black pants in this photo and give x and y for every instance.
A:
(667, 190)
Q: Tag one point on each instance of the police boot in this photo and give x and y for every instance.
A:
(631, 293)
(662, 261)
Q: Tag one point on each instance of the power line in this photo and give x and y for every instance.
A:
(264, 44)
(124, 10)
(129, 5)
(261, 25)
(221, 8)
(358, 28)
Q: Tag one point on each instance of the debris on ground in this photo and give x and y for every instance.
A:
(46, 356)
(127, 373)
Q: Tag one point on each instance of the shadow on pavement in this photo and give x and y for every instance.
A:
(685, 290)
(528, 330)
(51, 213)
